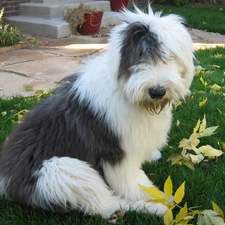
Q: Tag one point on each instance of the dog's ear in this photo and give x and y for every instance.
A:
(139, 44)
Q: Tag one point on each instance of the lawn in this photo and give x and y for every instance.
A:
(209, 18)
(203, 184)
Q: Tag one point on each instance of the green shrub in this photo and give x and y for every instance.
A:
(179, 2)
(9, 35)
(173, 2)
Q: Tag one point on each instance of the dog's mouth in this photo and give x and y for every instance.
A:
(155, 107)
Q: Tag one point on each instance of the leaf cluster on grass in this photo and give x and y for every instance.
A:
(185, 214)
(192, 154)
(202, 186)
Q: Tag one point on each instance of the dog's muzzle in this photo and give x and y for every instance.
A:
(158, 100)
(157, 92)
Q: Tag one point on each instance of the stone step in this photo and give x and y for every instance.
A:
(52, 28)
(55, 27)
(110, 18)
(56, 10)
(51, 1)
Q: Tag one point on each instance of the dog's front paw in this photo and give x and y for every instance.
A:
(156, 208)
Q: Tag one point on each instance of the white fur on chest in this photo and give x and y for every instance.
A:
(140, 133)
(143, 133)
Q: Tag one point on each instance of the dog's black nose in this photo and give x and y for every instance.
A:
(157, 92)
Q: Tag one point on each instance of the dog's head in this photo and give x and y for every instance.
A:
(151, 58)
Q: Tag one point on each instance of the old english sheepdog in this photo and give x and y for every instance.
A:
(83, 147)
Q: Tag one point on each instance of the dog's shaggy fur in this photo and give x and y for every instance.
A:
(83, 147)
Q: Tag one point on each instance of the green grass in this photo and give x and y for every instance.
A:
(204, 184)
(209, 18)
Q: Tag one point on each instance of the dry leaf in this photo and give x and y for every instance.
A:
(209, 217)
(203, 82)
(176, 104)
(3, 113)
(202, 125)
(215, 66)
(189, 143)
(215, 87)
(198, 70)
(196, 158)
(201, 103)
(223, 145)
(209, 151)
(217, 209)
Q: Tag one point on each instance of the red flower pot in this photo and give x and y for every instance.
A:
(92, 23)
(117, 5)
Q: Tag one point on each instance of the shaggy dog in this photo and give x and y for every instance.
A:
(83, 147)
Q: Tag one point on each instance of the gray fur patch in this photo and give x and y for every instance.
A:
(58, 126)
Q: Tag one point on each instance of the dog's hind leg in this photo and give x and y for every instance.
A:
(67, 184)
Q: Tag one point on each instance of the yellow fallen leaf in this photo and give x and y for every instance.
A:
(200, 129)
(202, 125)
(168, 187)
(196, 158)
(203, 82)
(220, 111)
(28, 87)
(168, 217)
(21, 114)
(201, 103)
(175, 159)
(153, 192)
(182, 213)
(3, 113)
(209, 151)
(198, 70)
(197, 126)
(215, 87)
(179, 194)
(217, 209)
(223, 145)
(190, 143)
(188, 164)
(218, 55)
(207, 132)
(176, 104)
(215, 66)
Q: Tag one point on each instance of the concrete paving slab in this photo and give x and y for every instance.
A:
(76, 50)
(11, 84)
(200, 36)
(45, 66)
(41, 74)
(21, 55)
